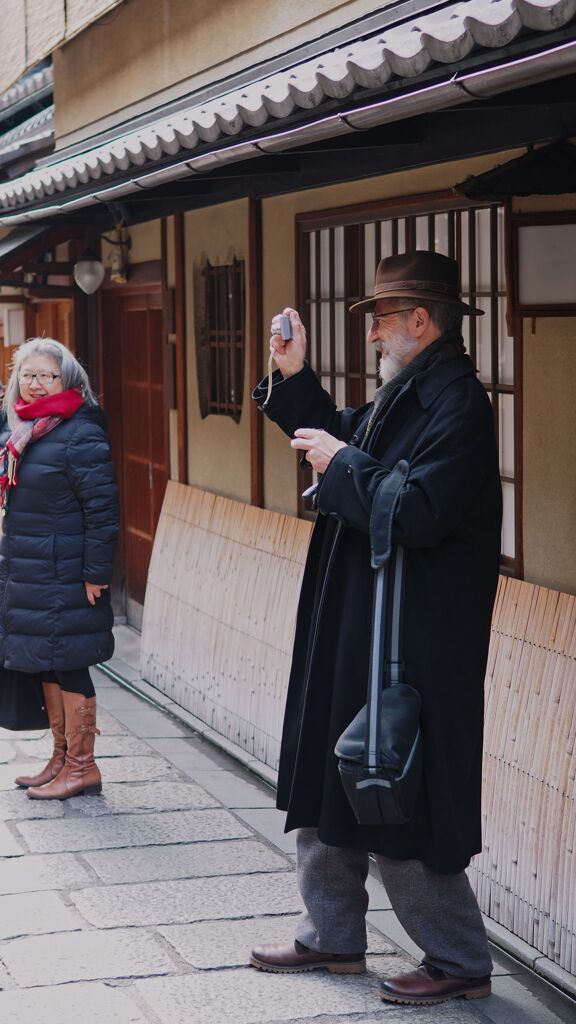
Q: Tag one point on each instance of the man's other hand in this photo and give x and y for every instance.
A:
(319, 446)
(290, 355)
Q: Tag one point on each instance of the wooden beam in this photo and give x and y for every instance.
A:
(181, 361)
(48, 269)
(255, 351)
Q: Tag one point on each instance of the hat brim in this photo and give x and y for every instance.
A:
(367, 305)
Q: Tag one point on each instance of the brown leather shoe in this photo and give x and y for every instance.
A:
(428, 984)
(295, 957)
(55, 708)
(80, 773)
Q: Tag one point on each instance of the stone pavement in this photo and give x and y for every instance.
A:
(141, 905)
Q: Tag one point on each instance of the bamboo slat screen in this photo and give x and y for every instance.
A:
(217, 636)
(337, 266)
(525, 878)
(220, 612)
(222, 345)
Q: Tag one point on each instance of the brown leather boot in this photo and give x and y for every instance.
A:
(80, 773)
(55, 709)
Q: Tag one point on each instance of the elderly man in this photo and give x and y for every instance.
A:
(432, 412)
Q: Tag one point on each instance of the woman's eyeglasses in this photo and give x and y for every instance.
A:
(44, 379)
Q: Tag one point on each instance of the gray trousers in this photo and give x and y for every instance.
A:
(439, 912)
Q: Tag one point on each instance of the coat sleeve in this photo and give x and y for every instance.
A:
(448, 468)
(301, 401)
(93, 480)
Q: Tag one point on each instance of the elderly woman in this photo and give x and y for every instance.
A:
(60, 505)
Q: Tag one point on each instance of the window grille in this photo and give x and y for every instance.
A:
(337, 263)
(222, 344)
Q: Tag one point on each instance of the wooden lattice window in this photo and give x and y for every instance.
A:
(338, 253)
(222, 340)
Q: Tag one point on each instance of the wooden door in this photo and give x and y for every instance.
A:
(133, 376)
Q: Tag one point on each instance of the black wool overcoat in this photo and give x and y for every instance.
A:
(59, 531)
(448, 518)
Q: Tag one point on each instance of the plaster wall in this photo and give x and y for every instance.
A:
(218, 448)
(145, 243)
(167, 48)
(549, 466)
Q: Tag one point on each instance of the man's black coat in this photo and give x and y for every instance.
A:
(448, 518)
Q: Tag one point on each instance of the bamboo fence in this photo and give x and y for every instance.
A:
(217, 635)
(525, 877)
(220, 612)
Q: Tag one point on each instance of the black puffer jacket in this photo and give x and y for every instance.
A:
(59, 531)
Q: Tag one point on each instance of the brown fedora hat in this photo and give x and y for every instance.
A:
(417, 275)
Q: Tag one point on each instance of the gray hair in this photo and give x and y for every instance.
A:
(447, 316)
(73, 373)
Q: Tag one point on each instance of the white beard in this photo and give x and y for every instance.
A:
(395, 352)
(388, 367)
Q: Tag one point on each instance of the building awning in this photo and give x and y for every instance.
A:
(35, 133)
(464, 52)
(29, 89)
(547, 171)
(28, 243)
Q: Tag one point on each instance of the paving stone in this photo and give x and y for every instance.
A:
(114, 769)
(135, 769)
(17, 805)
(517, 1000)
(387, 922)
(210, 944)
(110, 726)
(197, 899)
(149, 796)
(194, 860)
(270, 823)
(193, 755)
(8, 773)
(115, 698)
(88, 1003)
(34, 874)
(86, 956)
(252, 997)
(146, 720)
(34, 914)
(7, 752)
(112, 831)
(237, 790)
(106, 746)
(31, 734)
(9, 846)
(5, 979)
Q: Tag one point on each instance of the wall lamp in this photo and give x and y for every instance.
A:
(89, 271)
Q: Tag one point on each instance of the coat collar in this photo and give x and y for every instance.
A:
(432, 382)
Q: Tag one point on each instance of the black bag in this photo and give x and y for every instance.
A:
(380, 753)
(21, 701)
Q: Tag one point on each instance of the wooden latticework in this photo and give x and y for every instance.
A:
(218, 629)
(525, 878)
(220, 613)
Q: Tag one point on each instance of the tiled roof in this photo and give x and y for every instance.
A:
(26, 88)
(36, 130)
(396, 57)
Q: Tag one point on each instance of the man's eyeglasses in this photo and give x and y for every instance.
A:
(44, 379)
(393, 312)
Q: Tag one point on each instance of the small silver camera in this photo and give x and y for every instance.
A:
(281, 325)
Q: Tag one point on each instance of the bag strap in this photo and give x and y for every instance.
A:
(386, 650)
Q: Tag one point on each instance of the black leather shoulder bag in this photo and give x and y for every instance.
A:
(380, 753)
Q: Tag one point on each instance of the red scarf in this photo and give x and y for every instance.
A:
(34, 419)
